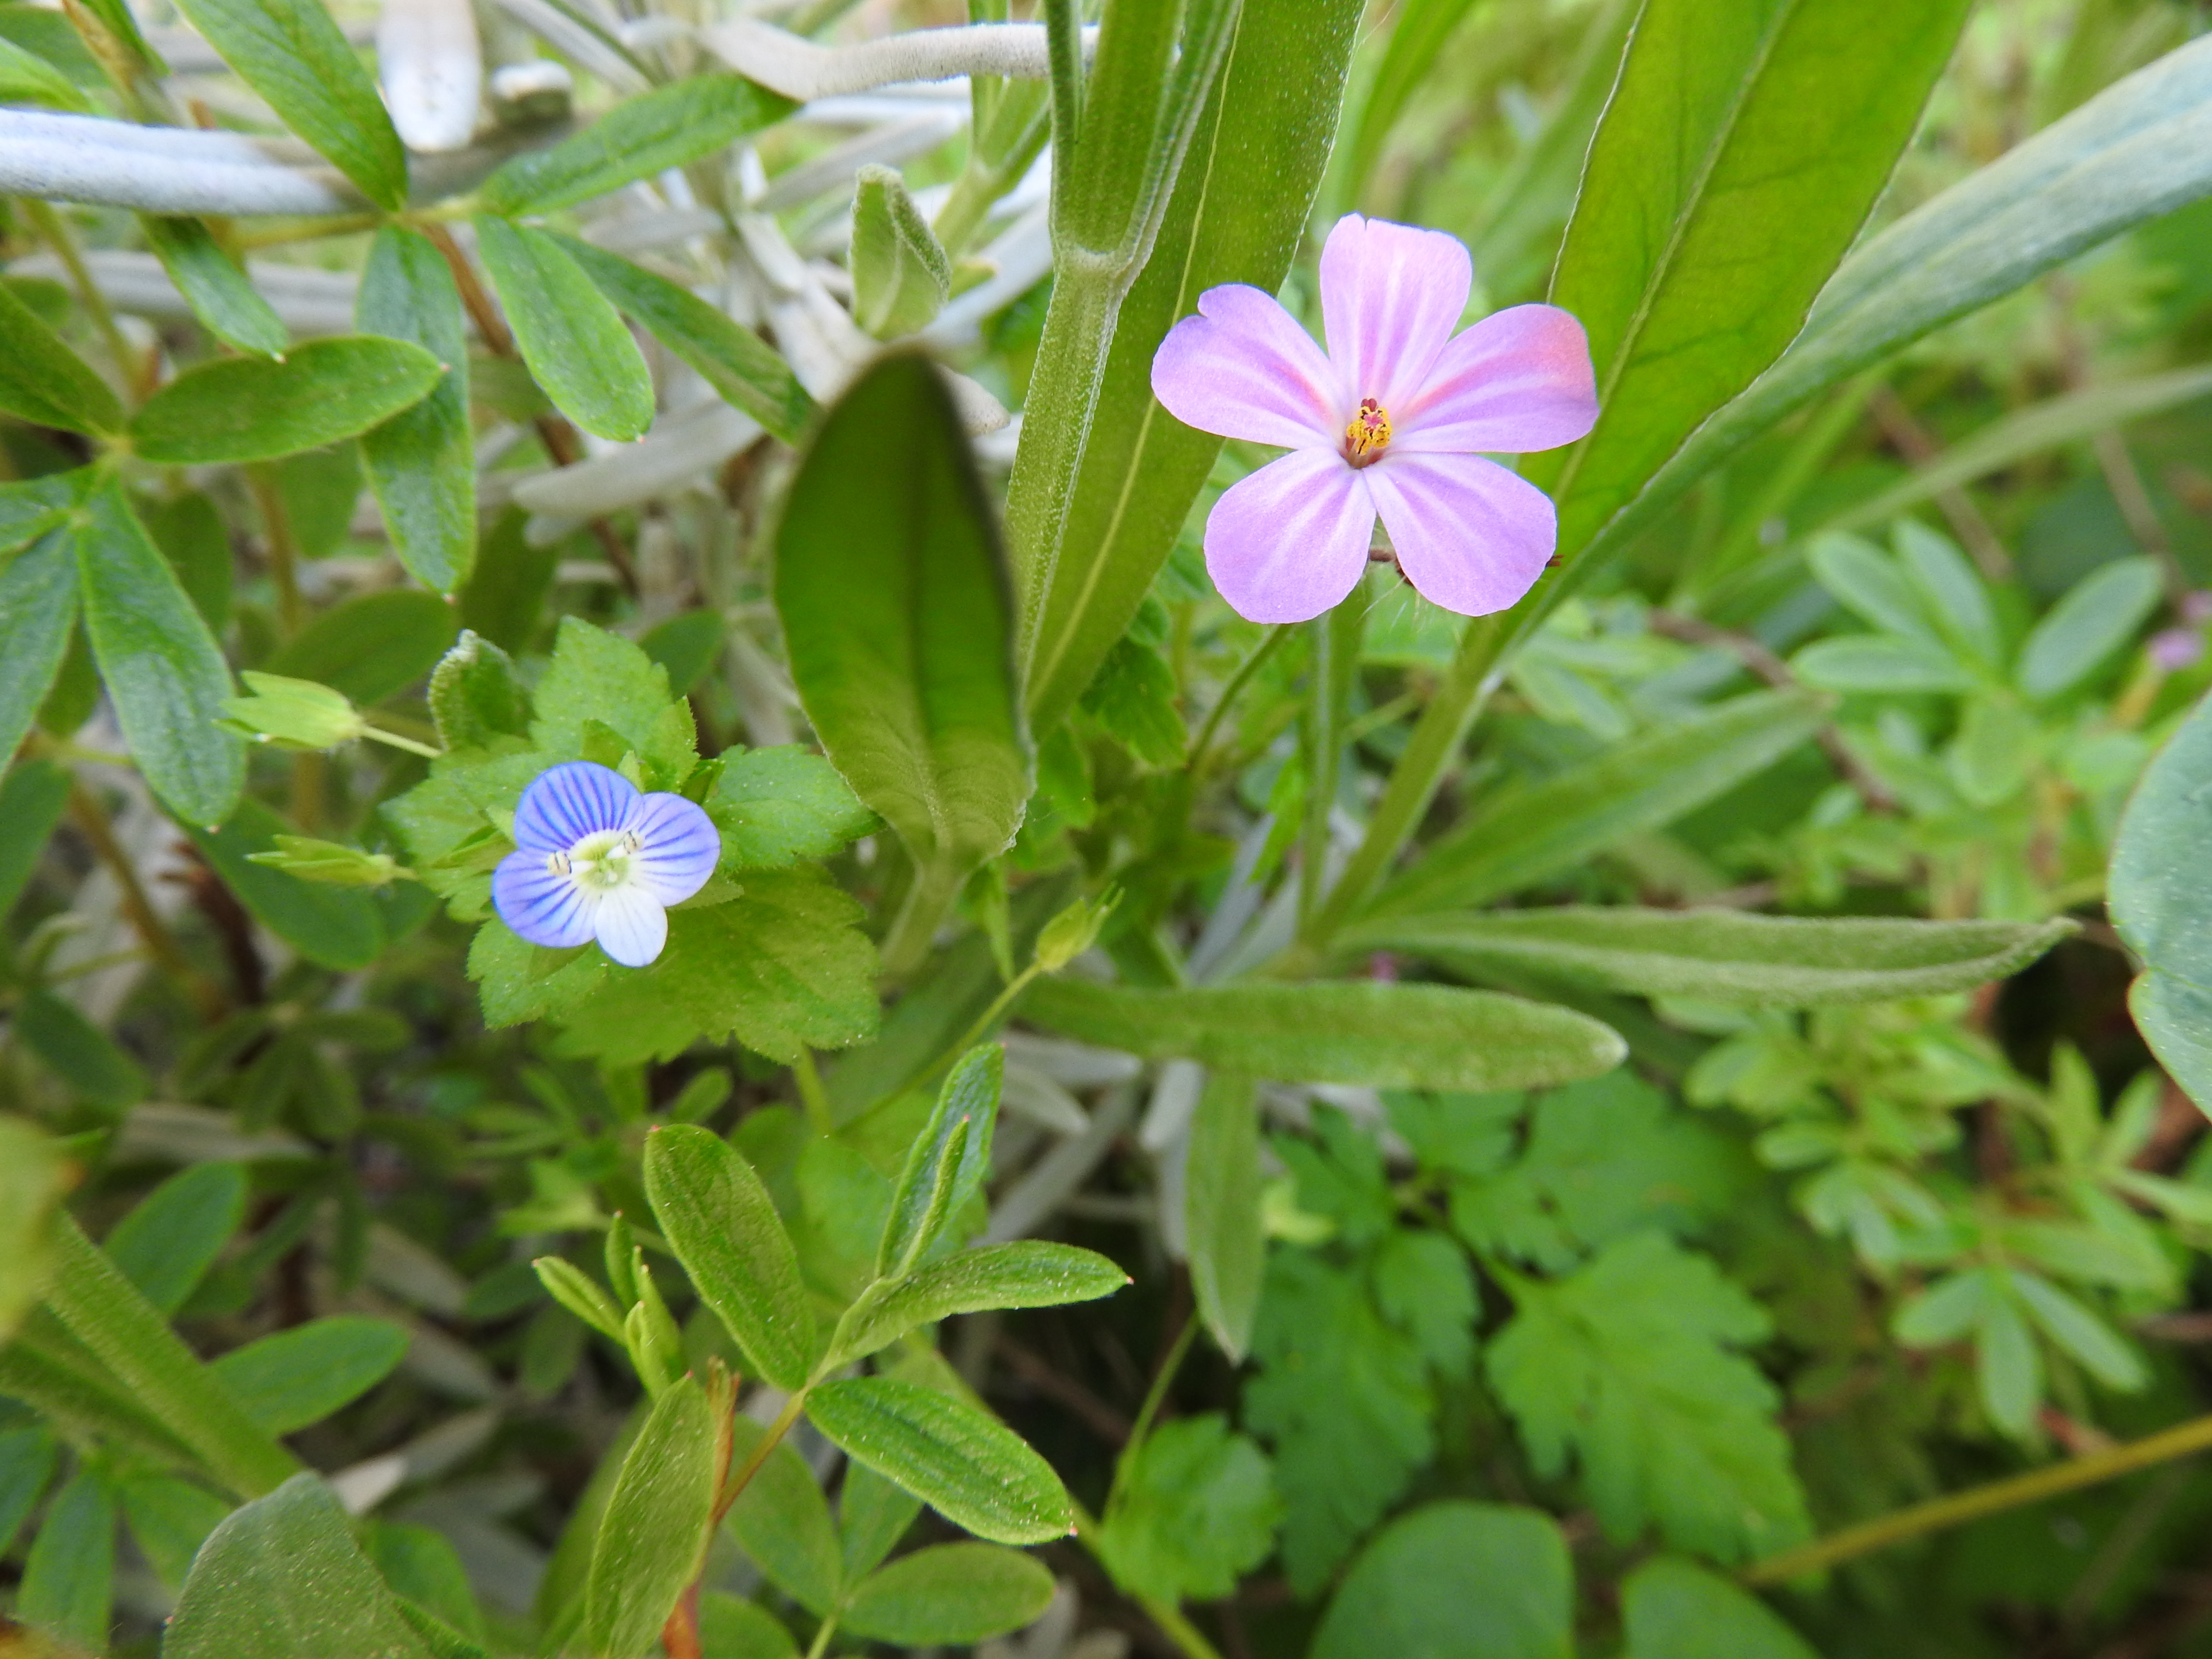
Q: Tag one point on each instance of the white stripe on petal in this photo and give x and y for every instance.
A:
(632, 926)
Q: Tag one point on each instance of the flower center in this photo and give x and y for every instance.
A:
(1368, 434)
(601, 859)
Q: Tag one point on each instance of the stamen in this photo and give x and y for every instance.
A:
(1368, 434)
(631, 842)
(558, 863)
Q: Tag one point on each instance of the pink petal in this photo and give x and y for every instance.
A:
(1518, 380)
(1390, 296)
(1471, 537)
(1288, 542)
(1244, 368)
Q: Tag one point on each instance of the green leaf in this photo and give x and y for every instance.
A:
(1027, 1274)
(192, 535)
(947, 1163)
(78, 1052)
(570, 335)
(250, 408)
(1722, 955)
(163, 671)
(424, 1567)
(1133, 697)
(970, 1467)
(1676, 1609)
(655, 1533)
(2076, 1331)
(292, 53)
(777, 807)
(1223, 1228)
(171, 1237)
(298, 1377)
(219, 293)
(949, 1593)
(897, 617)
(34, 1174)
(1408, 1593)
(1950, 593)
(730, 1629)
(1868, 583)
(170, 1519)
(27, 78)
(69, 1576)
(1882, 664)
(1521, 837)
(1740, 154)
(1239, 206)
(1630, 1365)
(1407, 1036)
(784, 1525)
(2162, 905)
(2095, 617)
(781, 966)
(670, 127)
(872, 1515)
(475, 696)
(31, 794)
(32, 507)
(1995, 750)
(371, 647)
(723, 1226)
(46, 383)
(2175, 1018)
(337, 927)
(2009, 1367)
(596, 676)
(281, 1577)
(901, 276)
(38, 613)
(747, 372)
(686, 646)
(28, 1457)
(1193, 1510)
(422, 462)
(2128, 155)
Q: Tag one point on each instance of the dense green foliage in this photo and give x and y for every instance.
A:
(1625, 1127)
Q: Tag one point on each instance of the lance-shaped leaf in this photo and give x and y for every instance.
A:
(1524, 836)
(737, 362)
(1722, 955)
(291, 52)
(654, 1531)
(970, 1467)
(38, 610)
(1224, 1233)
(1027, 1274)
(291, 1378)
(949, 1593)
(896, 614)
(163, 669)
(901, 276)
(947, 1162)
(668, 128)
(27, 78)
(227, 304)
(422, 462)
(1238, 208)
(1393, 1037)
(569, 335)
(1740, 152)
(2163, 907)
(43, 381)
(250, 408)
(723, 1226)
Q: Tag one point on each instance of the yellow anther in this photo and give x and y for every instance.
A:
(1369, 433)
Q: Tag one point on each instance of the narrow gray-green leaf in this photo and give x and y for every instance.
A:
(1224, 1235)
(896, 613)
(722, 1225)
(27, 78)
(2076, 637)
(291, 52)
(1524, 836)
(1027, 1274)
(569, 333)
(38, 610)
(655, 1531)
(164, 674)
(1393, 1037)
(901, 276)
(947, 1160)
(971, 1469)
(281, 1578)
(668, 128)
(218, 291)
(46, 383)
(737, 362)
(422, 462)
(249, 409)
(1723, 956)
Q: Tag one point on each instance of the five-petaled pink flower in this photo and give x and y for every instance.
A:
(1394, 421)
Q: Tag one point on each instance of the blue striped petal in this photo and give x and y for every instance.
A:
(541, 905)
(564, 803)
(678, 848)
(631, 928)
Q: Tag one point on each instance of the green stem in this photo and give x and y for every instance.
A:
(1202, 745)
(1156, 1395)
(735, 1486)
(1169, 1617)
(914, 930)
(812, 1095)
(105, 1311)
(1958, 1508)
(127, 363)
(392, 739)
(820, 1645)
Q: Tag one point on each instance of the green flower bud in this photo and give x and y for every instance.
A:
(296, 714)
(328, 860)
(1073, 931)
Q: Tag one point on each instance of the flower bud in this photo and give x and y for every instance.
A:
(295, 713)
(1073, 931)
(328, 860)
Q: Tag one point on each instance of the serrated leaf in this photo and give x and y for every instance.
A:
(1407, 1592)
(1193, 1509)
(949, 1593)
(569, 335)
(971, 1469)
(722, 1225)
(1027, 1274)
(654, 1532)
(422, 462)
(518, 981)
(219, 293)
(251, 409)
(669, 127)
(776, 807)
(596, 676)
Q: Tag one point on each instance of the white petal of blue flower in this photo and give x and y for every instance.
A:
(594, 859)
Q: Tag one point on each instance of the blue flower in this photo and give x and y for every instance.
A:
(597, 859)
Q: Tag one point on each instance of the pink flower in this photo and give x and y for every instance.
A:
(1394, 421)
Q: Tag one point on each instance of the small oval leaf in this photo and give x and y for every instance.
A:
(250, 410)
